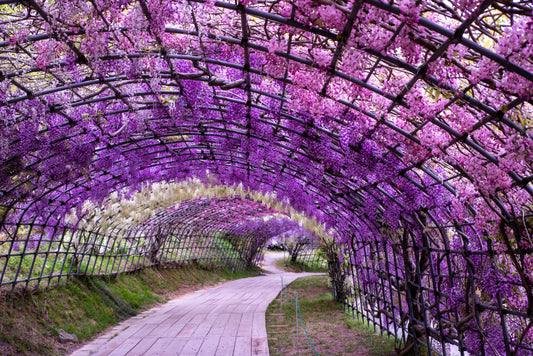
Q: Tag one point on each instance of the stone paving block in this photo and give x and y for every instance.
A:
(175, 329)
(242, 308)
(219, 325)
(82, 352)
(192, 346)
(176, 345)
(163, 331)
(245, 329)
(106, 347)
(243, 346)
(216, 309)
(225, 346)
(189, 328)
(229, 308)
(171, 327)
(170, 331)
(91, 348)
(159, 318)
(142, 347)
(232, 325)
(259, 325)
(209, 345)
(159, 347)
(202, 309)
(129, 329)
(203, 329)
(144, 330)
(124, 348)
(260, 346)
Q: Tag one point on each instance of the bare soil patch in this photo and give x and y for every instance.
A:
(330, 330)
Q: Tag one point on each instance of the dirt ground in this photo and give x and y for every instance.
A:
(325, 323)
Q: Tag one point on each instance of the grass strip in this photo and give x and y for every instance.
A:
(330, 329)
(287, 265)
(86, 306)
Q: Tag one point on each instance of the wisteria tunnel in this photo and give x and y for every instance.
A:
(395, 134)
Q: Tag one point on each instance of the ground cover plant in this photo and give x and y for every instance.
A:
(330, 329)
(286, 264)
(85, 306)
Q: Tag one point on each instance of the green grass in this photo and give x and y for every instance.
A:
(330, 329)
(53, 258)
(289, 266)
(32, 262)
(375, 344)
(29, 321)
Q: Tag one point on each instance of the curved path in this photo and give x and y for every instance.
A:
(225, 320)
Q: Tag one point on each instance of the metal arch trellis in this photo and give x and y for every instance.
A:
(379, 284)
(172, 236)
(408, 264)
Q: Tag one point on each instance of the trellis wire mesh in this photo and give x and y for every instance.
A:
(41, 255)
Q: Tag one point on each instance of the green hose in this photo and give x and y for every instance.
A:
(306, 334)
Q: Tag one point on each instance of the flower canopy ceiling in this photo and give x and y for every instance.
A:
(330, 104)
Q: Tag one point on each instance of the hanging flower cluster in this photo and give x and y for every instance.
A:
(297, 241)
(252, 236)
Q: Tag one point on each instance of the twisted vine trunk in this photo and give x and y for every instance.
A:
(157, 241)
(336, 274)
(416, 262)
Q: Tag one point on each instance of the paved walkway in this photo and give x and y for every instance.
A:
(224, 320)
